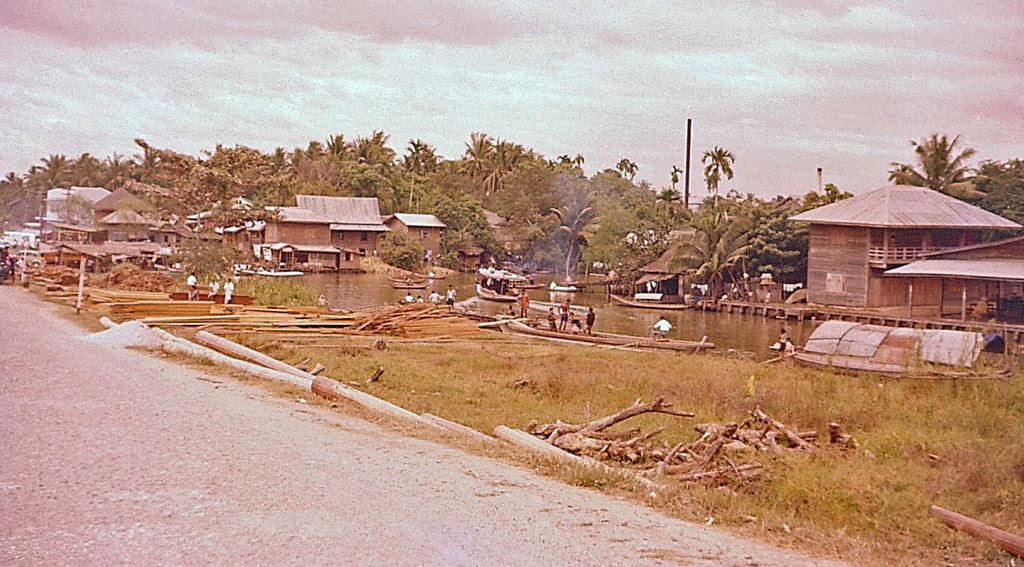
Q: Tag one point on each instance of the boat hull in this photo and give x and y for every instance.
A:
(610, 339)
(484, 293)
(644, 305)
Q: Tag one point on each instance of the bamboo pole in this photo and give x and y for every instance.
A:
(1010, 542)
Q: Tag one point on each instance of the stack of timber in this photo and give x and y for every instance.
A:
(417, 320)
(714, 457)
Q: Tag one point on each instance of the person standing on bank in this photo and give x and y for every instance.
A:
(591, 317)
(193, 291)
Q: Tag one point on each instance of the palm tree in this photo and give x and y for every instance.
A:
(373, 150)
(675, 176)
(718, 245)
(336, 146)
(670, 199)
(576, 219)
(503, 161)
(942, 167)
(717, 163)
(479, 153)
(626, 168)
(422, 157)
(578, 160)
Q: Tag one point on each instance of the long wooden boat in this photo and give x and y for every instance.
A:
(491, 295)
(856, 365)
(278, 273)
(544, 305)
(409, 285)
(649, 304)
(612, 339)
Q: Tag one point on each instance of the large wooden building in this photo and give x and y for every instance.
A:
(298, 239)
(356, 225)
(855, 241)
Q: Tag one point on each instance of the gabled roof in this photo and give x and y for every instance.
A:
(114, 200)
(346, 213)
(905, 206)
(418, 220)
(493, 218)
(125, 216)
(299, 214)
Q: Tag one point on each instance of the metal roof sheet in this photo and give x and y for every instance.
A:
(359, 227)
(419, 220)
(1005, 269)
(905, 206)
(343, 210)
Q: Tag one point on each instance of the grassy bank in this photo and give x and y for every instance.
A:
(956, 444)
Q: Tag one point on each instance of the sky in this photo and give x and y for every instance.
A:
(786, 85)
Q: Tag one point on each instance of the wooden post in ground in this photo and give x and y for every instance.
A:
(81, 283)
(910, 298)
(963, 301)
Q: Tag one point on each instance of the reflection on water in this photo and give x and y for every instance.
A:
(726, 330)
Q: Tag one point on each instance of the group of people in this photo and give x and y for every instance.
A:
(214, 287)
(434, 297)
(566, 320)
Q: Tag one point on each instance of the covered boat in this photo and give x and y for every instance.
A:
(499, 285)
(899, 351)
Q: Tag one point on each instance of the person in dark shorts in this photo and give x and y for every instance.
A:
(591, 317)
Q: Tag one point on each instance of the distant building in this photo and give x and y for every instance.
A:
(355, 221)
(427, 229)
(855, 241)
(299, 239)
(120, 199)
(57, 198)
(126, 225)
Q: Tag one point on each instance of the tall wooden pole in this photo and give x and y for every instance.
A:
(686, 180)
(81, 283)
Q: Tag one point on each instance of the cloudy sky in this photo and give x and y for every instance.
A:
(787, 85)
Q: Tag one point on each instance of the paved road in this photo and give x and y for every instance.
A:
(116, 457)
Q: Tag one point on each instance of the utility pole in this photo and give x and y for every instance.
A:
(686, 180)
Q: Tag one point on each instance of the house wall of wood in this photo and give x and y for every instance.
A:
(298, 232)
(428, 237)
(837, 265)
(365, 241)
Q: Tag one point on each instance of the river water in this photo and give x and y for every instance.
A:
(744, 333)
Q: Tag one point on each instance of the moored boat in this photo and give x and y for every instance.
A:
(649, 304)
(611, 339)
(499, 285)
(846, 346)
(278, 273)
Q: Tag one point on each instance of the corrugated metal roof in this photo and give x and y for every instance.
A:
(91, 194)
(343, 210)
(299, 214)
(419, 220)
(899, 348)
(905, 206)
(1005, 269)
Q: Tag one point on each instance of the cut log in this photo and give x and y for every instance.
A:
(657, 406)
(1010, 542)
(790, 435)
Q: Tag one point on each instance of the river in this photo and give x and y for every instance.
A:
(745, 333)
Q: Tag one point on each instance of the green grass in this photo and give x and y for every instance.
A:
(955, 444)
(276, 291)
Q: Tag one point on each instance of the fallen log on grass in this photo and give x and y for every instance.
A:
(1010, 542)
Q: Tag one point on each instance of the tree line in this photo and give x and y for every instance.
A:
(553, 215)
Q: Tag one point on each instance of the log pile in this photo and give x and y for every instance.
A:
(412, 321)
(719, 455)
(51, 275)
(131, 277)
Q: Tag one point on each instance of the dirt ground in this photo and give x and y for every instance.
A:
(117, 457)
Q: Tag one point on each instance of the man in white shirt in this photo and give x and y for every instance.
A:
(434, 296)
(661, 328)
(193, 291)
(229, 289)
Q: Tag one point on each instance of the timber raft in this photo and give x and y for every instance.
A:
(613, 340)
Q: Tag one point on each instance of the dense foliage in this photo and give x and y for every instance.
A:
(551, 215)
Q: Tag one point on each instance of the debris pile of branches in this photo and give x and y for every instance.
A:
(721, 453)
(131, 277)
